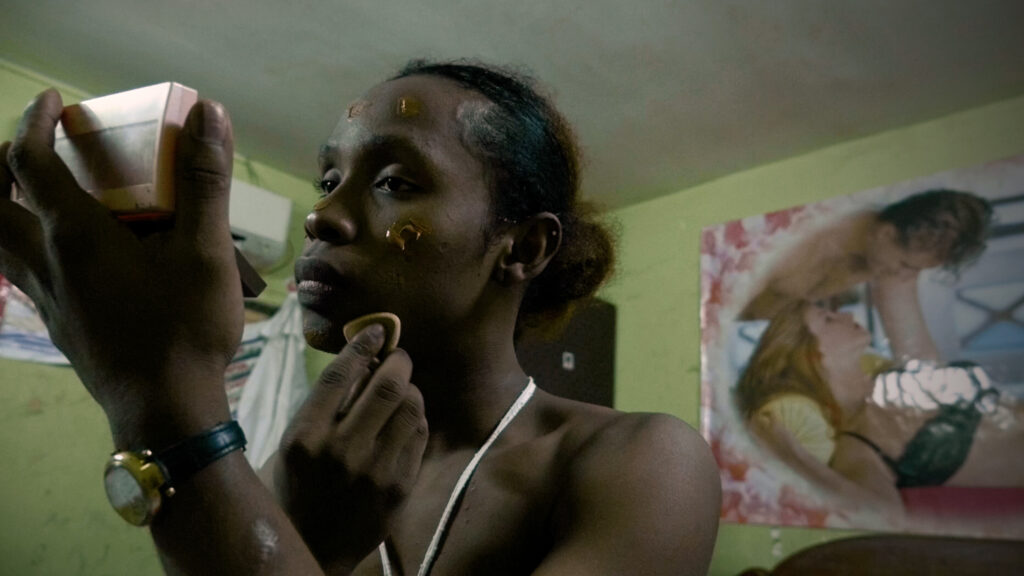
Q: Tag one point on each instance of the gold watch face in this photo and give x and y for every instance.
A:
(133, 487)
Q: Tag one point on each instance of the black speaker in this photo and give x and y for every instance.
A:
(578, 363)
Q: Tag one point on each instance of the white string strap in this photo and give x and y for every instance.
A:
(460, 488)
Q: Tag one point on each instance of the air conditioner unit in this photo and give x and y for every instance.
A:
(259, 224)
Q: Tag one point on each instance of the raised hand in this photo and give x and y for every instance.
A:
(353, 452)
(150, 323)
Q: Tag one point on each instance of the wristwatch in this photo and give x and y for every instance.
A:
(138, 483)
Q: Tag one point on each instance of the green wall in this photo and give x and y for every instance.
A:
(658, 287)
(54, 518)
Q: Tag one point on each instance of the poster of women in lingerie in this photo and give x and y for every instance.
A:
(863, 358)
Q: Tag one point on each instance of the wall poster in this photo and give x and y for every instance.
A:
(863, 358)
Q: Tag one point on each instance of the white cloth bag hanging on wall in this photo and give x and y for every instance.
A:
(277, 385)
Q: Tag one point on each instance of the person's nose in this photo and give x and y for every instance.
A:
(906, 273)
(331, 221)
(836, 315)
(849, 320)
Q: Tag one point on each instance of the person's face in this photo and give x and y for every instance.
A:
(839, 336)
(401, 226)
(888, 257)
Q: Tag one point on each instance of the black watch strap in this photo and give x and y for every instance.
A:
(189, 456)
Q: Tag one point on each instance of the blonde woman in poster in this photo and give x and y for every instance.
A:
(873, 432)
(809, 376)
(817, 421)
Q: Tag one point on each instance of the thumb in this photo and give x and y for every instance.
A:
(205, 153)
(343, 378)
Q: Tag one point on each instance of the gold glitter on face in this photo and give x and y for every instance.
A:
(402, 232)
(408, 107)
(322, 203)
(357, 108)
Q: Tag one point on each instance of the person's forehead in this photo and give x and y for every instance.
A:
(424, 109)
(926, 257)
(814, 316)
(423, 101)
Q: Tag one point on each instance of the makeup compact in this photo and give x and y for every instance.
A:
(120, 149)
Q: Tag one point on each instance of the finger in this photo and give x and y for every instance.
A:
(387, 389)
(410, 459)
(21, 248)
(46, 182)
(205, 152)
(404, 438)
(350, 367)
(18, 274)
(19, 229)
(353, 392)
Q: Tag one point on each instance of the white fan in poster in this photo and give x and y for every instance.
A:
(863, 358)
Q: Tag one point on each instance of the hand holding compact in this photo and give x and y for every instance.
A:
(353, 451)
(148, 323)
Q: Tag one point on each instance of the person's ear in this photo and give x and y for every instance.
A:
(528, 248)
(889, 232)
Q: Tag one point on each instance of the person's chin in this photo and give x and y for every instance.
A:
(322, 333)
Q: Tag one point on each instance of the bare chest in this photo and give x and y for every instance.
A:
(837, 276)
(500, 525)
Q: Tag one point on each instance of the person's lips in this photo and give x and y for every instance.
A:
(317, 282)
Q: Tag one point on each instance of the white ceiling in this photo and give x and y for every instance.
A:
(664, 94)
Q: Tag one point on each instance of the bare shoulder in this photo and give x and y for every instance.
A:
(649, 448)
(594, 434)
(646, 481)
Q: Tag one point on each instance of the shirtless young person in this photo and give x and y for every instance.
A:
(475, 178)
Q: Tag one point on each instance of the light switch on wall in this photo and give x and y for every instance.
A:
(568, 361)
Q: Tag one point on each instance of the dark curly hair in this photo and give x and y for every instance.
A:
(532, 164)
(952, 223)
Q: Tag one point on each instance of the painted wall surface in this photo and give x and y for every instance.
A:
(54, 518)
(657, 290)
